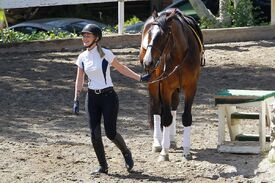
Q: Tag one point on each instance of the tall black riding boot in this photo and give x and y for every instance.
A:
(100, 154)
(120, 143)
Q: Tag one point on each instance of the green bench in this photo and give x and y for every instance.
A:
(228, 103)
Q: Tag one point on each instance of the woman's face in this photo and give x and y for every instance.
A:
(88, 38)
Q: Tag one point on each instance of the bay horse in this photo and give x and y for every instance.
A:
(172, 52)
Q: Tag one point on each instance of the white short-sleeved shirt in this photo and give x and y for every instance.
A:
(97, 69)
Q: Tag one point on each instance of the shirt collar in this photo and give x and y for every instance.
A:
(93, 50)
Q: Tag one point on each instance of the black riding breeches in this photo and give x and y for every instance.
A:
(103, 104)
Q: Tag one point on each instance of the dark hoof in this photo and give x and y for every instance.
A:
(187, 157)
(129, 162)
(173, 145)
(99, 170)
(163, 158)
(156, 148)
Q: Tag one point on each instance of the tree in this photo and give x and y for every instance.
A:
(3, 20)
(226, 12)
(204, 13)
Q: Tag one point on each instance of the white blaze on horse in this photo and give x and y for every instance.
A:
(172, 52)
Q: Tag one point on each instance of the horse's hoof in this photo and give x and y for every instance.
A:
(163, 158)
(156, 148)
(187, 157)
(173, 145)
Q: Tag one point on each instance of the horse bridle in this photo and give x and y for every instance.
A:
(162, 77)
(160, 50)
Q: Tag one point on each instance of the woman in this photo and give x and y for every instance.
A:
(101, 98)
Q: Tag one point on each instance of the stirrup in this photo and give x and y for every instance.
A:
(203, 59)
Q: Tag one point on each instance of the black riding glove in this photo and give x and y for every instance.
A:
(76, 107)
(145, 77)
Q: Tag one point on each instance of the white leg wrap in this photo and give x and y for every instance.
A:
(173, 126)
(166, 137)
(271, 154)
(164, 152)
(157, 131)
(186, 139)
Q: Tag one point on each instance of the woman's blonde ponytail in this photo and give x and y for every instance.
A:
(100, 50)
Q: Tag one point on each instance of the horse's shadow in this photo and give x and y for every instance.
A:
(139, 176)
(244, 165)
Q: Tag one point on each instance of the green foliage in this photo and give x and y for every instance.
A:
(205, 23)
(130, 21)
(243, 14)
(10, 36)
(260, 19)
(107, 30)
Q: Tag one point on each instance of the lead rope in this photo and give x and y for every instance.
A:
(160, 79)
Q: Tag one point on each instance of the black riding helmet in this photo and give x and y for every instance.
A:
(94, 29)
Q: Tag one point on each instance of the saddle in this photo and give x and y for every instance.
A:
(192, 23)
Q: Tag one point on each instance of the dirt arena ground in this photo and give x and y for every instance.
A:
(41, 141)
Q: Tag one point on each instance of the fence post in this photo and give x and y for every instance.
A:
(120, 16)
(272, 12)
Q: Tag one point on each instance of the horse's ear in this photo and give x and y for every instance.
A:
(154, 13)
(172, 13)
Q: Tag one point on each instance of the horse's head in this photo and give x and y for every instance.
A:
(155, 36)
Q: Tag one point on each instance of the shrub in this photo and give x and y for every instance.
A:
(131, 21)
(10, 36)
(242, 15)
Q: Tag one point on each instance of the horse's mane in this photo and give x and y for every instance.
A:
(161, 20)
(169, 14)
(178, 15)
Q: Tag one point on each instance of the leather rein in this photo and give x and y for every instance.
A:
(163, 75)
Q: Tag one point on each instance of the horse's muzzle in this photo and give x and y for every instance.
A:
(147, 68)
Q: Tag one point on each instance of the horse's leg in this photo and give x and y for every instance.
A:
(164, 154)
(174, 105)
(157, 134)
(189, 93)
(154, 112)
(165, 144)
(166, 121)
(173, 143)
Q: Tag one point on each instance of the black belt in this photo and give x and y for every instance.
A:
(100, 91)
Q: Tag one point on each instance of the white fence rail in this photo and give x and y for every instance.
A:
(10, 4)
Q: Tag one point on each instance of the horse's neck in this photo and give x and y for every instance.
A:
(180, 41)
(193, 26)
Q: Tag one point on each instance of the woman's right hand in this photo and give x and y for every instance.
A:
(76, 107)
(145, 78)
